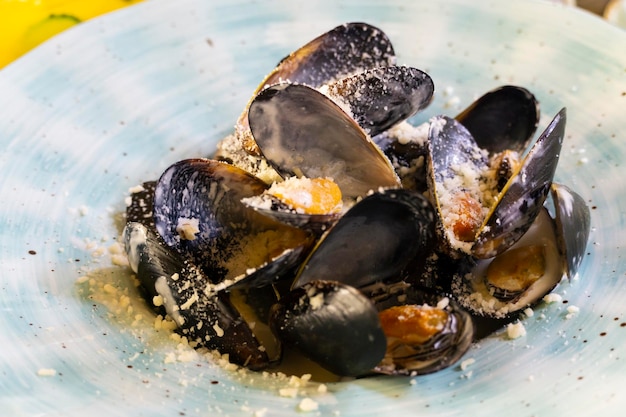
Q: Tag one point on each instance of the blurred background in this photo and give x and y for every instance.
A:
(25, 24)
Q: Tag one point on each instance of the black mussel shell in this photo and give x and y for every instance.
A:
(523, 196)
(332, 324)
(141, 205)
(406, 147)
(376, 240)
(442, 350)
(342, 51)
(382, 97)
(302, 132)
(278, 210)
(345, 50)
(573, 226)
(226, 239)
(206, 319)
(505, 118)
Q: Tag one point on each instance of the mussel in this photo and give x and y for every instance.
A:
(426, 331)
(408, 234)
(198, 212)
(474, 217)
(176, 288)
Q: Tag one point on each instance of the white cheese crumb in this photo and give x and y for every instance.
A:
(515, 330)
(443, 303)
(46, 372)
(307, 404)
(136, 189)
(157, 300)
(288, 392)
(552, 298)
(219, 332)
(571, 312)
(466, 363)
(317, 301)
(529, 312)
(187, 229)
(83, 210)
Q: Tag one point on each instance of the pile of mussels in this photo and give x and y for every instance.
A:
(447, 231)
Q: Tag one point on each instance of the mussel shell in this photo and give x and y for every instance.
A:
(141, 205)
(207, 320)
(301, 132)
(470, 289)
(444, 349)
(376, 240)
(406, 147)
(342, 51)
(382, 97)
(451, 145)
(573, 226)
(522, 198)
(345, 50)
(333, 324)
(211, 192)
(505, 118)
(278, 210)
(453, 155)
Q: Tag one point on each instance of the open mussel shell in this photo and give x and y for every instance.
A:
(505, 118)
(382, 97)
(278, 210)
(198, 212)
(524, 194)
(301, 132)
(207, 320)
(472, 288)
(376, 240)
(340, 52)
(410, 354)
(573, 226)
(333, 324)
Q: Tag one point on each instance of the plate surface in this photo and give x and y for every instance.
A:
(114, 101)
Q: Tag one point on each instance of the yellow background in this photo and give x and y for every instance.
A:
(26, 23)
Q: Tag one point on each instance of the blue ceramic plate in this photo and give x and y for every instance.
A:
(114, 101)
